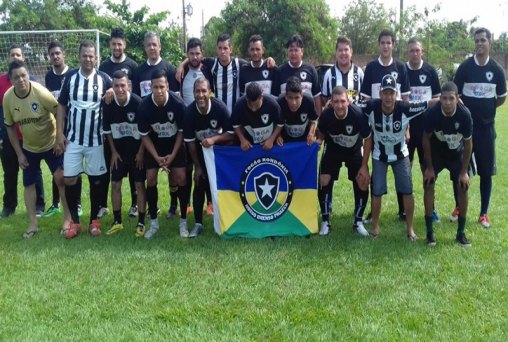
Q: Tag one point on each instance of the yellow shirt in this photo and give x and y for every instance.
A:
(34, 114)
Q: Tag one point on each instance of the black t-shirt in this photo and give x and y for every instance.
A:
(128, 65)
(199, 126)
(297, 124)
(142, 77)
(305, 72)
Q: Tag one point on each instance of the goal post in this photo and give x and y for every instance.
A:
(35, 47)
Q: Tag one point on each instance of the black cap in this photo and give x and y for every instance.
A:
(388, 82)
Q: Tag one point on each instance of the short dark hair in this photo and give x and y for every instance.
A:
(224, 38)
(294, 85)
(16, 46)
(255, 38)
(120, 74)
(87, 44)
(484, 30)
(202, 79)
(194, 42)
(158, 73)
(343, 40)
(253, 91)
(339, 90)
(15, 65)
(450, 86)
(385, 33)
(414, 40)
(55, 44)
(117, 32)
(296, 39)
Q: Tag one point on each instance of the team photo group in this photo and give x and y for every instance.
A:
(123, 120)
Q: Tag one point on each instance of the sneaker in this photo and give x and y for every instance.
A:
(94, 228)
(455, 215)
(115, 228)
(431, 240)
(133, 211)
(73, 231)
(39, 213)
(80, 210)
(463, 241)
(368, 219)
(484, 221)
(209, 208)
(52, 211)
(154, 228)
(183, 229)
(325, 228)
(172, 212)
(6, 212)
(360, 228)
(435, 217)
(198, 229)
(103, 211)
(140, 230)
(402, 216)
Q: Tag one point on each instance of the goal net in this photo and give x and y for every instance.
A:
(35, 47)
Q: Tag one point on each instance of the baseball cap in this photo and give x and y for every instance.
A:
(388, 82)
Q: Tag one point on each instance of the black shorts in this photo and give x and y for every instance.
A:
(179, 161)
(128, 168)
(415, 144)
(331, 162)
(484, 149)
(454, 165)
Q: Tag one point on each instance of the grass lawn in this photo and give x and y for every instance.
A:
(340, 287)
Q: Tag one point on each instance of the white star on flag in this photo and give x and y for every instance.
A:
(267, 189)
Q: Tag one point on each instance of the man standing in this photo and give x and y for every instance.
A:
(80, 106)
(31, 106)
(257, 69)
(447, 144)
(345, 130)
(482, 87)
(206, 124)
(127, 152)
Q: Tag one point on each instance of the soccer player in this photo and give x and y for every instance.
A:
(375, 71)
(296, 67)
(389, 119)
(161, 127)
(256, 119)
(80, 106)
(206, 124)
(7, 153)
(127, 152)
(118, 61)
(32, 107)
(257, 69)
(298, 113)
(53, 80)
(482, 87)
(424, 85)
(345, 130)
(447, 144)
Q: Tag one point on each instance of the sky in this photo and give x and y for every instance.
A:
(490, 12)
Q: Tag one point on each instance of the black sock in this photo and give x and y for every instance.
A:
(198, 199)
(428, 224)
(117, 216)
(141, 217)
(183, 198)
(72, 194)
(461, 225)
(400, 201)
(151, 199)
(173, 194)
(96, 195)
(323, 193)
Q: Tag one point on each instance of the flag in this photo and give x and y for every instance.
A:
(261, 193)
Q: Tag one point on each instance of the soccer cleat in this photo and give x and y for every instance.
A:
(52, 211)
(325, 228)
(402, 216)
(103, 211)
(140, 230)
(198, 229)
(115, 228)
(172, 212)
(484, 221)
(209, 208)
(455, 215)
(431, 240)
(435, 217)
(133, 211)
(73, 231)
(463, 241)
(94, 228)
(39, 213)
(360, 228)
(80, 210)
(183, 229)
(154, 228)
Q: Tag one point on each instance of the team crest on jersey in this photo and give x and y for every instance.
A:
(303, 75)
(395, 74)
(457, 125)
(355, 77)
(489, 75)
(131, 116)
(194, 75)
(397, 125)
(265, 73)
(423, 78)
(213, 123)
(349, 129)
(264, 118)
(125, 70)
(35, 106)
(95, 88)
(171, 115)
(234, 73)
(266, 189)
(303, 117)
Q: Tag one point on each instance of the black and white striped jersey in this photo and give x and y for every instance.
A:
(352, 81)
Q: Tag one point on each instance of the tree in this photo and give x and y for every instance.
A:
(276, 22)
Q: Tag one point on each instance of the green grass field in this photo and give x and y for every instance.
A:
(340, 287)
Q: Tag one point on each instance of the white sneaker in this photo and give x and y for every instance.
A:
(103, 211)
(360, 228)
(325, 228)
(154, 228)
(198, 228)
(133, 211)
(183, 229)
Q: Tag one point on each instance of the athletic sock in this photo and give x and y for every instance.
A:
(151, 199)
(117, 216)
(428, 224)
(72, 194)
(461, 225)
(485, 191)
